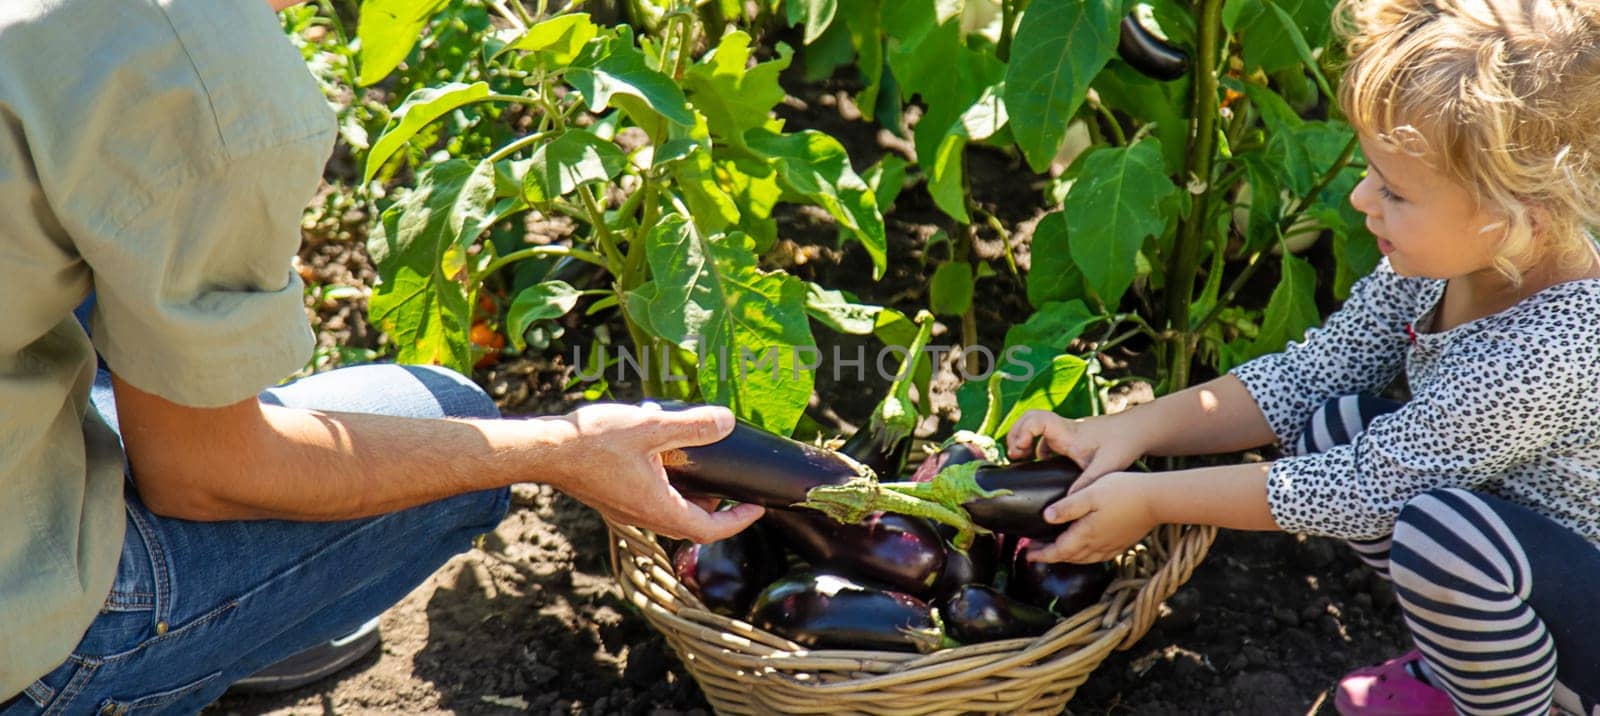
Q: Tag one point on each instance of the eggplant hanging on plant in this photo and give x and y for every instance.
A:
(1149, 54)
(900, 552)
(975, 498)
(885, 442)
(1061, 587)
(728, 574)
(977, 613)
(829, 611)
(756, 466)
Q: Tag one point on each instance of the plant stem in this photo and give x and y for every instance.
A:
(511, 17)
(1111, 120)
(999, 228)
(597, 218)
(1008, 21)
(1185, 261)
(552, 250)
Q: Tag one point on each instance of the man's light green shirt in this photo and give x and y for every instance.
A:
(158, 152)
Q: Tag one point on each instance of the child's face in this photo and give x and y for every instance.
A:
(1426, 223)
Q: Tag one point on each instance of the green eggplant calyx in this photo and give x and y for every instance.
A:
(853, 500)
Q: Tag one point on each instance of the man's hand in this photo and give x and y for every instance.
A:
(615, 460)
(1093, 443)
(1107, 518)
(279, 5)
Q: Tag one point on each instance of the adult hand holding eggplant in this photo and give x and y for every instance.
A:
(615, 458)
(1106, 519)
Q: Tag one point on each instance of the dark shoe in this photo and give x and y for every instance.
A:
(314, 664)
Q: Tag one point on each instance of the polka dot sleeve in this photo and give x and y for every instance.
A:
(1492, 405)
(1360, 349)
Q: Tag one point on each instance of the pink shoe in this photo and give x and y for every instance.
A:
(1388, 689)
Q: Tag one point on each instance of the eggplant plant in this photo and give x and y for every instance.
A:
(1155, 120)
(668, 166)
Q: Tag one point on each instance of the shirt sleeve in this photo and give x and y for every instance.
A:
(179, 174)
(1496, 404)
(197, 300)
(1360, 349)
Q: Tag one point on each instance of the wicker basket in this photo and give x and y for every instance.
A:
(745, 670)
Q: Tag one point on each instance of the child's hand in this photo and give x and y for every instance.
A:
(1109, 517)
(1090, 442)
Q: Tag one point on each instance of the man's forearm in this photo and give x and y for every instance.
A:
(309, 465)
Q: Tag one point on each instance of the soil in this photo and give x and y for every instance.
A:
(532, 622)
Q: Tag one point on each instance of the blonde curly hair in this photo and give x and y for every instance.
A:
(1503, 96)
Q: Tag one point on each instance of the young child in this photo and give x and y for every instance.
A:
(1480, 496)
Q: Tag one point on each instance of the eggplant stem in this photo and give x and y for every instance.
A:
(854, 500)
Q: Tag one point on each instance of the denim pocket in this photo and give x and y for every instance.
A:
(156, 702)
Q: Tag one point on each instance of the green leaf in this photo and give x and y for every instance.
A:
(388, 31)
(886, 178)
(1054, 276)
(712, 208)
(755, 190)
(1055, 325)
(983, 119)
(1298, 40)
(575, 158)
(920, 47)
(1275, 112)
(625, 71)
(1059, 48)
(707, 294)
(734, 99)
(561, 37)
(834, 49)
(1112, 208)
(862, 17)
(419, 109)
(1163, 104)
(424, 311)
(816, 14)
(471, 213)
(814, 165)
(950, 292)
(1291, 310)
(836, 311)
(1048, 390)
(539, 302)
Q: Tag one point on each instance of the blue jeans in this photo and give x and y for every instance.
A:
(199, 605)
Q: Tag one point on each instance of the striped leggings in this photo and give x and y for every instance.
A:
(1492, 591)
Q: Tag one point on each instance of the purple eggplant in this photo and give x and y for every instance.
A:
(729, 573)
(884, 452)
(1061, 587)
(975, 565)
(829, 611)
(753, 465)
(1149, 54)
(977, 613)
(1032, 486)
(956, 451)
(900, 552)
